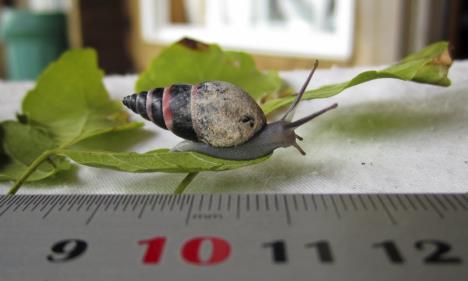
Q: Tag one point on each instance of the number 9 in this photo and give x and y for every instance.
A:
(67, 250)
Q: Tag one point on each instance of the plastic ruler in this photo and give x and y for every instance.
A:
(234, 237)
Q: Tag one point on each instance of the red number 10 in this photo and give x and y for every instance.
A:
(190, 252)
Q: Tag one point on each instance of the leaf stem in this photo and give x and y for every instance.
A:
(185, 182)
(43, 157)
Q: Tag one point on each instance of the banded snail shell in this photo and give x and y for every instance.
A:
(215, 112)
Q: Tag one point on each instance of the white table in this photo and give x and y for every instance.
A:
(385, 136)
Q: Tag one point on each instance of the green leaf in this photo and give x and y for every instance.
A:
(190, 61)
(21, 144)
(429, 66)
(161, 160)
(68, 104)
(70, 100)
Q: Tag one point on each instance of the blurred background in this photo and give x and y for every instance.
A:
(281, 34)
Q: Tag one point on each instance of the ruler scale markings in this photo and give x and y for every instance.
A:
(130, 202)
(343, 203)
(410, 201)
(182, 202)
(163, 202)
(386, 210)
(20, 202)
(238, 211)
(351, 199)
(83, 200)
(447, 199)
(325, 206)
(64, 203)
(374, 206)
(98, 203)
(155, 201)
(189, 211)
(74, 197)
(304, 202)
(116, 203)
(122, 205)
(220, 202)
(229, 202)
(125, 202)
(312, 197)
(267, 202)
(143, 206)
(14, 199)
(172, 202)
(335, 207)
(257, 202)
(210, 202)
(276, 202)
(71, 204)
(361, 200)
(460, 203)
(9, 204)
(108, 202)
(52, 206)
(200, 202)
(440, 203)
(80, 202)
(40, 199)
(111, 199)
(90, 203)
(421, 202)
(449, 233)
(389, 199)
(3, 200)
(79, 198)
(401, 203)
(438, 212)
(179, 199)
(119, 200)
(296, 206)
(136, 202)
(45, 202)
(28, 203)
(286, 209)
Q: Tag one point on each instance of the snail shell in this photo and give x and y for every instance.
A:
(217, 113)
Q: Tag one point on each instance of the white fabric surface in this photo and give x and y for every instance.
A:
(386, 136)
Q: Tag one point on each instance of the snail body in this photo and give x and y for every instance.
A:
(218, 119)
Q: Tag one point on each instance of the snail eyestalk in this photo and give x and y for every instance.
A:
(306, 119)
(301, 92)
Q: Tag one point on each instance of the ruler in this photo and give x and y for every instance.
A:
(234, 237)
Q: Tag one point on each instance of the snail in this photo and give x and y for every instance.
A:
(219, 119)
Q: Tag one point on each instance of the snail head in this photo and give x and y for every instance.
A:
(283, 129)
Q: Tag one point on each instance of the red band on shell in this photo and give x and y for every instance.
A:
(149, 105)
(166, 109)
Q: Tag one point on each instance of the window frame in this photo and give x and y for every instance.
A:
(317, 44)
